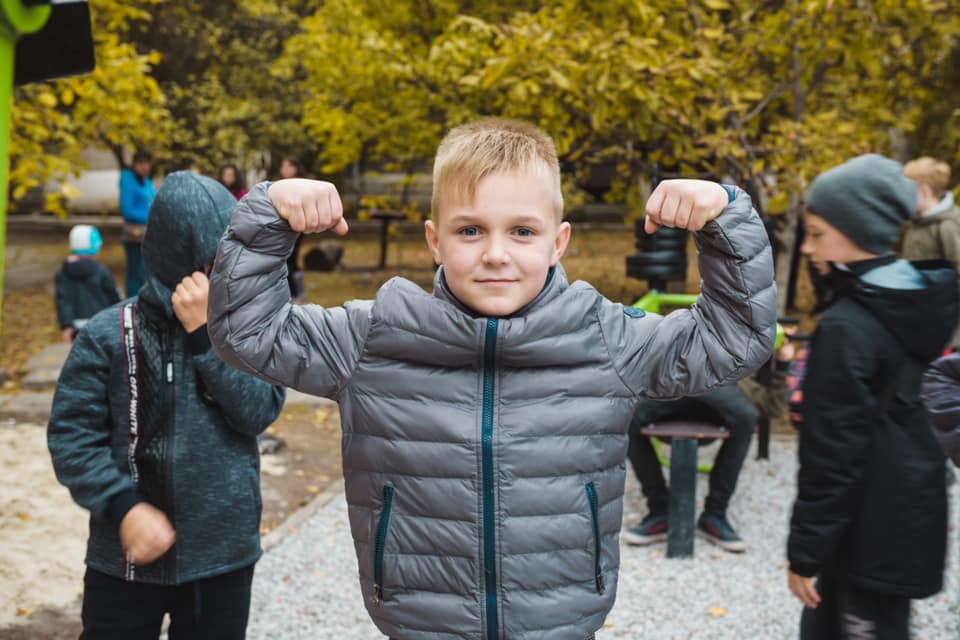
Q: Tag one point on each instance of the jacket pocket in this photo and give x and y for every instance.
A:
(597, 543)
(380, 543)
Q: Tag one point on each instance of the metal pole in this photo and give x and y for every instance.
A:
(15, 20)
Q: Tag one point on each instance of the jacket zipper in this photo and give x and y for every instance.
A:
(595, 516)
(166, 358)
(489, 527)
(379, 545)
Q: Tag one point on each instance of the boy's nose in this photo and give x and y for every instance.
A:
(496, 252)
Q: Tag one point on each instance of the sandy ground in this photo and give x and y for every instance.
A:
(42, 532)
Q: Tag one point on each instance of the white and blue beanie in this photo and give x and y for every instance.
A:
(85, 240)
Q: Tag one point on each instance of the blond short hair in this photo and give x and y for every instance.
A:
(930, 172)
(473, 151)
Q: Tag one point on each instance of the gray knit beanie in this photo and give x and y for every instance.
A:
(867, 199)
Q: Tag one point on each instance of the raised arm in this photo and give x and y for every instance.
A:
(729, 332)
(252, 324)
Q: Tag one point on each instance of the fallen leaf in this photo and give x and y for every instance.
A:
(25, 517)
(313, 488)
(717, 612)
(23, 611)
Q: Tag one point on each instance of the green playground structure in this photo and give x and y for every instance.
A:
(16, 19)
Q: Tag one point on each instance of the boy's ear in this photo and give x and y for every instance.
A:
(560, 242)
(430, 232)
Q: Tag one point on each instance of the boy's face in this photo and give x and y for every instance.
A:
(496, 252)
(823, 243)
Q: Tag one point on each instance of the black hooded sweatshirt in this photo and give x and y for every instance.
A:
(871, 502)
(188, 443)
(83, 287)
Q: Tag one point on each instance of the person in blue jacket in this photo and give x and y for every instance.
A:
(136, 194)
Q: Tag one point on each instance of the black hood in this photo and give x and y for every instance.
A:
(80, 269)
(923, 320)
(187, 218)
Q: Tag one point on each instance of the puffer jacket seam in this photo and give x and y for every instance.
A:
(430, 555)
(414, 516)
(550, 588)
(606, 346)
(392, 472)
(362, 350)
(514, 554)
(738, 264)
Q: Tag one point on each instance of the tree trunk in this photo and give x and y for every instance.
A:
(785, 237)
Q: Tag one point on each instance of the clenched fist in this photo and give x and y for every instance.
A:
(190, 301)
(684, 204)
(145, 534)
(308, 206)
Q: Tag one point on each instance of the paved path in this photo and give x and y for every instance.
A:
(306, 585)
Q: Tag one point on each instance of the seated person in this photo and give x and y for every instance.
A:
(733, 406)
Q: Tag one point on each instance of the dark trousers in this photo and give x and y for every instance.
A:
(215, 608)
(849, 613)
(136, 273)
(727, 406)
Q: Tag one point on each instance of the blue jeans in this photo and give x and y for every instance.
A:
(136, 273)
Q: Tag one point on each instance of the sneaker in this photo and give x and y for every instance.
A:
(653, 529)
(717, 530)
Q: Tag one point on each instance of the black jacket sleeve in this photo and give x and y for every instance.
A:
(839, 411)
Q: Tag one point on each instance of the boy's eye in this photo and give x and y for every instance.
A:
(469, 231)
(524, 232)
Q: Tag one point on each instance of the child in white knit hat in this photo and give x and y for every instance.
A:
(83, 285)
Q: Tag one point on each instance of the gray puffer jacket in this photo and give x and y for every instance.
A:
(484, 458)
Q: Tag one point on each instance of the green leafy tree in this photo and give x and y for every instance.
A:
(227, 98)
(118, 105)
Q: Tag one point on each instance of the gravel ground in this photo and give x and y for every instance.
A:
(306, 584)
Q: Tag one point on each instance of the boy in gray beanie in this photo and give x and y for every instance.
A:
(867, 199)
(870, 518)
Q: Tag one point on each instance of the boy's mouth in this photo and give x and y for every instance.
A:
(496, 282)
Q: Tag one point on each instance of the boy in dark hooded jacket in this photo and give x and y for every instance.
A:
(870, 518)
(157, 438)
